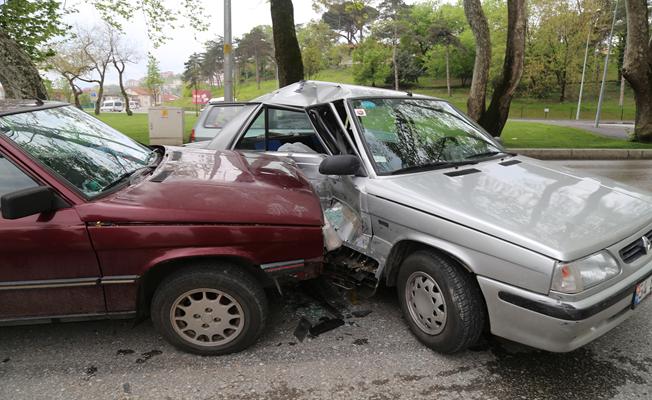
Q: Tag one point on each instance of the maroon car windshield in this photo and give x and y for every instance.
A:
(85, 152)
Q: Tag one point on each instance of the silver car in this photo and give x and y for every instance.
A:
(416, 195)
(212, 118)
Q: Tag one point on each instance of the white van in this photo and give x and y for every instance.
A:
(111, 106)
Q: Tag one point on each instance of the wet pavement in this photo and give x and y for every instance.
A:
(371, 356)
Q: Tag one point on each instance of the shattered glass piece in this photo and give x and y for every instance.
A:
(360, 313)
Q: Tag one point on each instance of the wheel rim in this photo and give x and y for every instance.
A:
(207, 317)
(426, 303)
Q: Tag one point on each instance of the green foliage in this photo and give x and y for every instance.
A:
(153, 79)
(33, 24)
(317, 42)
(192, 70)
(371, 62)
(348, 18)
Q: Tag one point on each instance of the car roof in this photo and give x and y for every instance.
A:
(307, 93)
(15, 106)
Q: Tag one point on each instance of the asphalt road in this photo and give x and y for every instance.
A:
(371, 357)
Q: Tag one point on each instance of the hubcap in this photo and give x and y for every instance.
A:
(207, 317)
(426, 303)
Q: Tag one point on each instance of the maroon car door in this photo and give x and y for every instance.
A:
(47, 265)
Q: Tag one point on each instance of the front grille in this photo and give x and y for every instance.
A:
(634, 250)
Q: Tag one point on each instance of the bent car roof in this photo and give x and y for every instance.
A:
(14, 106)
(307, 93)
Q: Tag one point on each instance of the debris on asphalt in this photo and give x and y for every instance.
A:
(360, 313)
(6, 360)
(124, 352)
(360, 342)
(126, 387)
(327, 324)
(90, 371)
(302, 329)
(147, 355)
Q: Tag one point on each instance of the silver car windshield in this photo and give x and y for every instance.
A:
(404, 135)
(85, 152)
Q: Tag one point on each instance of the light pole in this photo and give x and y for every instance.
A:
(586, 56)
(228, 54)
(606, 64)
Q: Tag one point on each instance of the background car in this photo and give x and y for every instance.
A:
(96, 225)
(213, 118)
(111, 106)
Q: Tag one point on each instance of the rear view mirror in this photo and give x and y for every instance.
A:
(25, 202)
(340, 165)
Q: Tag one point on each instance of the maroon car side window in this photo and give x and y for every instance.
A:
(12, 178)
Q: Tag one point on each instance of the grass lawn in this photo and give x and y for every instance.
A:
(537, 135)
(136, 126)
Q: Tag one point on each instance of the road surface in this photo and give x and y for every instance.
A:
(610, 129)
(372, 357)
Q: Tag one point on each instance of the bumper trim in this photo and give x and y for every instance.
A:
(567, 311)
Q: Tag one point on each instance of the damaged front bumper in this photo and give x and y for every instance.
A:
(553, 325)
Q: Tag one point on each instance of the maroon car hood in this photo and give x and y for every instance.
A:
(207, 186)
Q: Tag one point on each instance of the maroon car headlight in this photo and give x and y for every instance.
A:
(579, 275)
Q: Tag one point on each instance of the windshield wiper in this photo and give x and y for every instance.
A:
(489, 154)
(431, 166)
(126, 176)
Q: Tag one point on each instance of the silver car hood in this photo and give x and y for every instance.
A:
(561, 213)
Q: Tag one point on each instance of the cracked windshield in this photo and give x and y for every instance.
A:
(86, 153)
(404, 135)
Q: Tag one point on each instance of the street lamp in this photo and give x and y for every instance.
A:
(586, 56)
(606, 64)
(228, 54)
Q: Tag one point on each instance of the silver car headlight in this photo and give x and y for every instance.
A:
(579, 275)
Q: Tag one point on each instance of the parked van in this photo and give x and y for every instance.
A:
(111, 106)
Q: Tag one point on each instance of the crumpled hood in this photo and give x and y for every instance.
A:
(558, 212)
(208, 186)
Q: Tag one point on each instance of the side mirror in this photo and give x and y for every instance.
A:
(347, 164)
(25, 202)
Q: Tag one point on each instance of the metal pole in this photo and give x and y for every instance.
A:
(606, 64)
(228, 54)
(586, 55)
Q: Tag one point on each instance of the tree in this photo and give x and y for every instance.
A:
(390, 13)
(123, 54)
(493, 120)
(254, 44)
(192, 73)
(480, 28)
(317, 43)
(347, 18)
(212, 62)
(286, 46)
(71, 63)
(95, 44)
(637, 67)
(153, 80)
(370, 62)
(25, 26)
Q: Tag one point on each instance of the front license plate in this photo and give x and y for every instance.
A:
(642, 290)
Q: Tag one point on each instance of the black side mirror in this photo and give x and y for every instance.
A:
(25, 202)
(347, 164)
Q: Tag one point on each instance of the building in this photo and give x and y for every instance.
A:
(141, 96)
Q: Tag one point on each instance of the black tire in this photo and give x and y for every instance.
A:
(465, 311)
(236, 286)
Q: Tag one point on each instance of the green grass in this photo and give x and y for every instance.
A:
(136, 126)
(519, 134)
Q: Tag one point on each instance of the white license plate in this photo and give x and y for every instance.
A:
(642, 290)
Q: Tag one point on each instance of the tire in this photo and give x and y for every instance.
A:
(210, 309)
(429, 282)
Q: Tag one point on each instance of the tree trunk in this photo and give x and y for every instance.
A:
(448, 72)
(121, 70)
(286, 46)
(18, 74)
(562, 87)
(621, 99)
(394, 61)
(76, 91)
(637, 66)
(496, 116)
(257, 72)
(478, 22)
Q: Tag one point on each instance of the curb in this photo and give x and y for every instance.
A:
(586, 154)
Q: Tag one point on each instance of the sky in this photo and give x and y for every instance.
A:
(245, 15)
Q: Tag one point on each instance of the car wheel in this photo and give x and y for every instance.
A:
(441, 302)
(210, 310)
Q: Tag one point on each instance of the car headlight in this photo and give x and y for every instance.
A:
(579, 275)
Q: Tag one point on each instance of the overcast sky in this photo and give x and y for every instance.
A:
(245, 15)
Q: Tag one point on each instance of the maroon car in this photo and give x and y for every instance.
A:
(97, 225)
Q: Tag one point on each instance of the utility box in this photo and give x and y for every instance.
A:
(166, 125)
